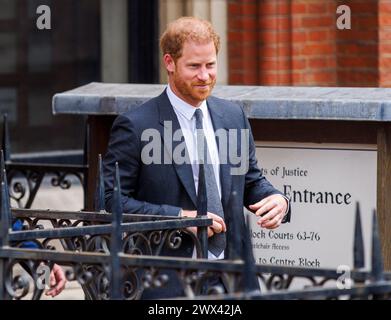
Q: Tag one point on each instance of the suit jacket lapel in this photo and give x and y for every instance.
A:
(218, 122)
(169, 121)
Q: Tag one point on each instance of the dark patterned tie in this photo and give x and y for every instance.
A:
(216, 243)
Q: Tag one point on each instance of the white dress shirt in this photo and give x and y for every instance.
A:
(185, 114)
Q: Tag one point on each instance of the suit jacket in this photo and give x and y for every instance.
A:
(165, 189)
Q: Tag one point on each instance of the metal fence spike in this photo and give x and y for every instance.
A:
(377, 258)
(117, 196)
(233, 232)
(100, 188)
(7, 196)
(6, 140)
(201, 192)
(358, 249)
(2, 165)
(202, 233)
(116, 239)
(250, 280)
(5, 223)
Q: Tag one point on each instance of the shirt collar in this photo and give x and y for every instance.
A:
(184, 108)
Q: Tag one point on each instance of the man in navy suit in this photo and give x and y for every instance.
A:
(165, 183)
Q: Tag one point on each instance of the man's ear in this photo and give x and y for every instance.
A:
(169, 63)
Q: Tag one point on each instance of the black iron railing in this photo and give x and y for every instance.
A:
(25, 178)
(118, 256)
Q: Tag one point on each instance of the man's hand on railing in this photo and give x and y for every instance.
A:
(217, 226)
(57, 281)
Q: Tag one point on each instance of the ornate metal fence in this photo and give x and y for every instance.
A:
(117, 256)
(25, 178)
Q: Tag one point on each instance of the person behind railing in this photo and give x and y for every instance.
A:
(57, 279)
(157, 179)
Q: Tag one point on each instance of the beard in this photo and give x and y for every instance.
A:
(191, 91)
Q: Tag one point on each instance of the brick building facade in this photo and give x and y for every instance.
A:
(297, 42)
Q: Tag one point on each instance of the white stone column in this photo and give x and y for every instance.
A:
(199, 8)
(218, 17)
(114, 47)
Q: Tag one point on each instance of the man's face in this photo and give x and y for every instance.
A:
(193, 76)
